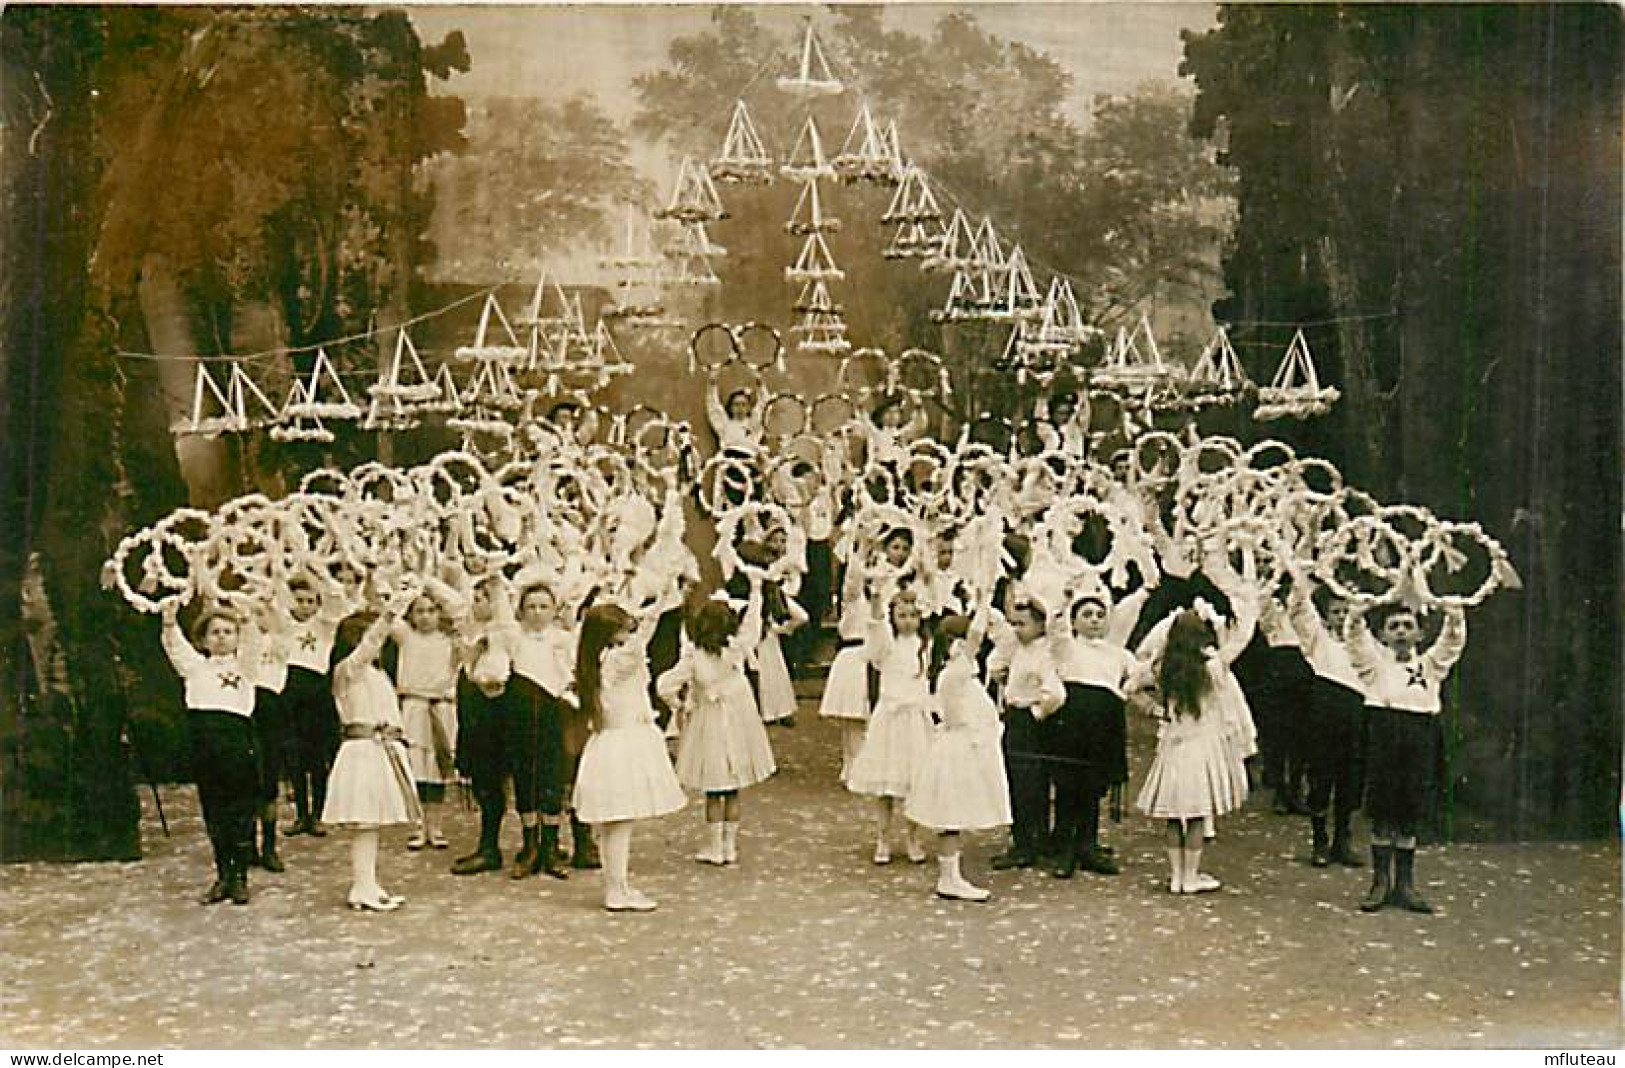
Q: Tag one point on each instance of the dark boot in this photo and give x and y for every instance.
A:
(216, 892)
(1343, 844)
(237, 875)
(1317, 846)
(1021, 854)
(548, 857)
(488, 856)
(1377, 896)
(583, 853)
(528, 862)
(267, 857)
(1404, 892)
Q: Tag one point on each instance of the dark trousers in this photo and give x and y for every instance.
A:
(1277, 682)
(226, 770)
(816, 596)
(1336, 750)
(533, 738)
(1403, 751)
(1024, 766)
(481, 752)
(665, 649)
(312, 734)
(1085, 751)
(273, 742)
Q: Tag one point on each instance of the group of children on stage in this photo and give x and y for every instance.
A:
(983, 680)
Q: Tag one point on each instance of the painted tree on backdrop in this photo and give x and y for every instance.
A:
(538, 178)
(1132, 206)
(237, 180)
(1444, 183)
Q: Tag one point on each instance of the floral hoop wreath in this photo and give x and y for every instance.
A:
(876, 476)
(767, 516)
(752, 354)
(975, 475)
(873, 523)
(803, 449)
(921, 483)
(1064, 520)
(869, 359)
(146, 547)
(705, 338)
(729, 469)
(785, 416)
(1358, 543)
(1167, 466)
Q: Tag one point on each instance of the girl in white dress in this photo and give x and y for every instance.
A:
(961, 784)
(426, 681)
(1198, 774)
(900, 729)
(724, 747)
(371, 784)
(625, 774)
(846, 690)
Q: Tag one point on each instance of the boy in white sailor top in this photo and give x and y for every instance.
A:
(1403, 738)
(220, 709)
(1336, 718)
(1087, 739)
(1033, 691)
(314, 607)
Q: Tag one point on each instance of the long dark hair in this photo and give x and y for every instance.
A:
(948, 630)
(599, 627)
(1183, 675)
(710, 625)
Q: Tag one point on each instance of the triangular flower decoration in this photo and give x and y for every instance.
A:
(243, 390)
(808, 216)
(405, 378)
(694, 198)
(913, 201)
(212, 411)
(503, 348)
(812, 76)
(963, 297)
(1218, 367)
(813, 262)
(865, 155)
(1019, 298)
(806, 160)
(1295, 389)
(1134, 361)
(953, 247)
(911, 241)
(303, 428)
(986, 251)
(822, 333)
(743, 158)
(814, 297)
(324, 379)
(695, 241)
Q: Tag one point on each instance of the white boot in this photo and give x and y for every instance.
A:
(953, 885)
(714, 852)
(1195, 881)
(730, 842)
(1176, 870)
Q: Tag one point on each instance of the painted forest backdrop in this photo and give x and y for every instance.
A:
(1439, 187)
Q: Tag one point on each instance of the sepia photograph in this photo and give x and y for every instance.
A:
(868, 526)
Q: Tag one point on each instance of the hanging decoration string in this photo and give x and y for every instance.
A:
(312, 347)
